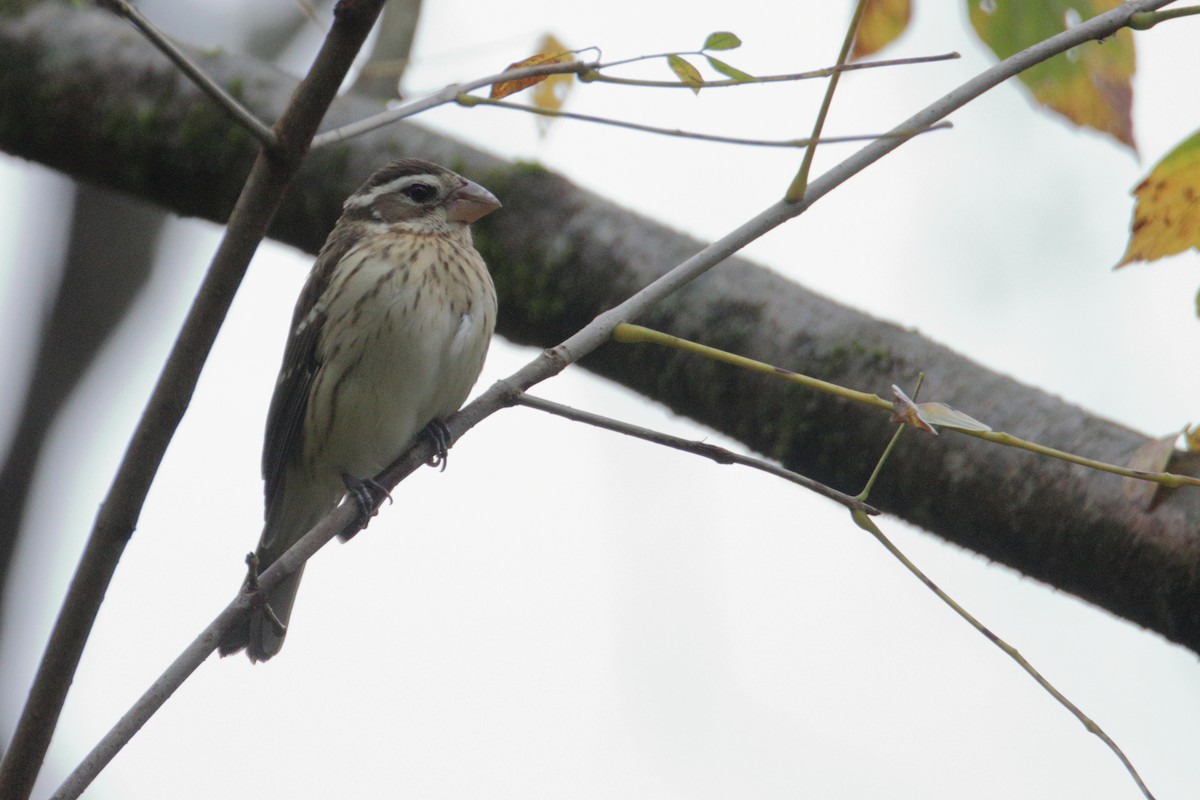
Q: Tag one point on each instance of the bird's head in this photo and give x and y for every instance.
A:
(419, 194)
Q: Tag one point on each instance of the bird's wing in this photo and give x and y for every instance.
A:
(284, 439)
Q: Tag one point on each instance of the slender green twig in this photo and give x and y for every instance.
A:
(630, 334)
(470, 101)
(795, 192)
(1147, 20)
(193, 71)
(636, 334)
(887, 451)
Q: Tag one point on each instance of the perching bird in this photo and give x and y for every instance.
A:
(388, 336)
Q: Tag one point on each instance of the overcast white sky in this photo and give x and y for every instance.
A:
(564, 613)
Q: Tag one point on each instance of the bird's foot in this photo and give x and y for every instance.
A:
(437, 431)
(237, 639)
(368, 494)
(251, 572)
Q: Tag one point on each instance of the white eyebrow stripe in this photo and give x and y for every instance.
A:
(367, 198)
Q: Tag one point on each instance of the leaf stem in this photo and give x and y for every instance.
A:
(1147, 20)
(795, 192)
(887, 451)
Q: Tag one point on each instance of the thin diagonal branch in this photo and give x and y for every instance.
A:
(795, 192)
(263, 192)
(470, 101)
(192, 70)
(868, 525)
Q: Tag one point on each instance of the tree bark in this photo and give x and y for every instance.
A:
(82, 93)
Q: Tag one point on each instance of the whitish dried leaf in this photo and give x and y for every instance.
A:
(947, 417)
(906, 412)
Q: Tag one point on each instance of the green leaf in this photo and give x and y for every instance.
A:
(686, 72)
(721, 40)
(728, 70)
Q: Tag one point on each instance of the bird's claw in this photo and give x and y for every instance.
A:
(363, 492)
(251, 572)
(437, 431)
(253, 565)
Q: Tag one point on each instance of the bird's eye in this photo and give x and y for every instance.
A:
(419, 192)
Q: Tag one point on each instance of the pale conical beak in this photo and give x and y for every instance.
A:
(470, 202)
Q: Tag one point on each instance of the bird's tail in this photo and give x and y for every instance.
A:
(262, 633)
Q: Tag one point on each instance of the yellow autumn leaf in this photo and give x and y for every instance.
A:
(882, 22)
(1091, 85)
(551, 93)
(550, 51)
(1166, 218)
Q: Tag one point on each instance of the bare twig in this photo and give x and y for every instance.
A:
(470, 101)
(265, 187)
(192, 70)
(824, 72)
(709, 451)
(447, 95)
(587, 71)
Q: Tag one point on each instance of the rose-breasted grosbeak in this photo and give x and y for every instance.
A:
(388, 336)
